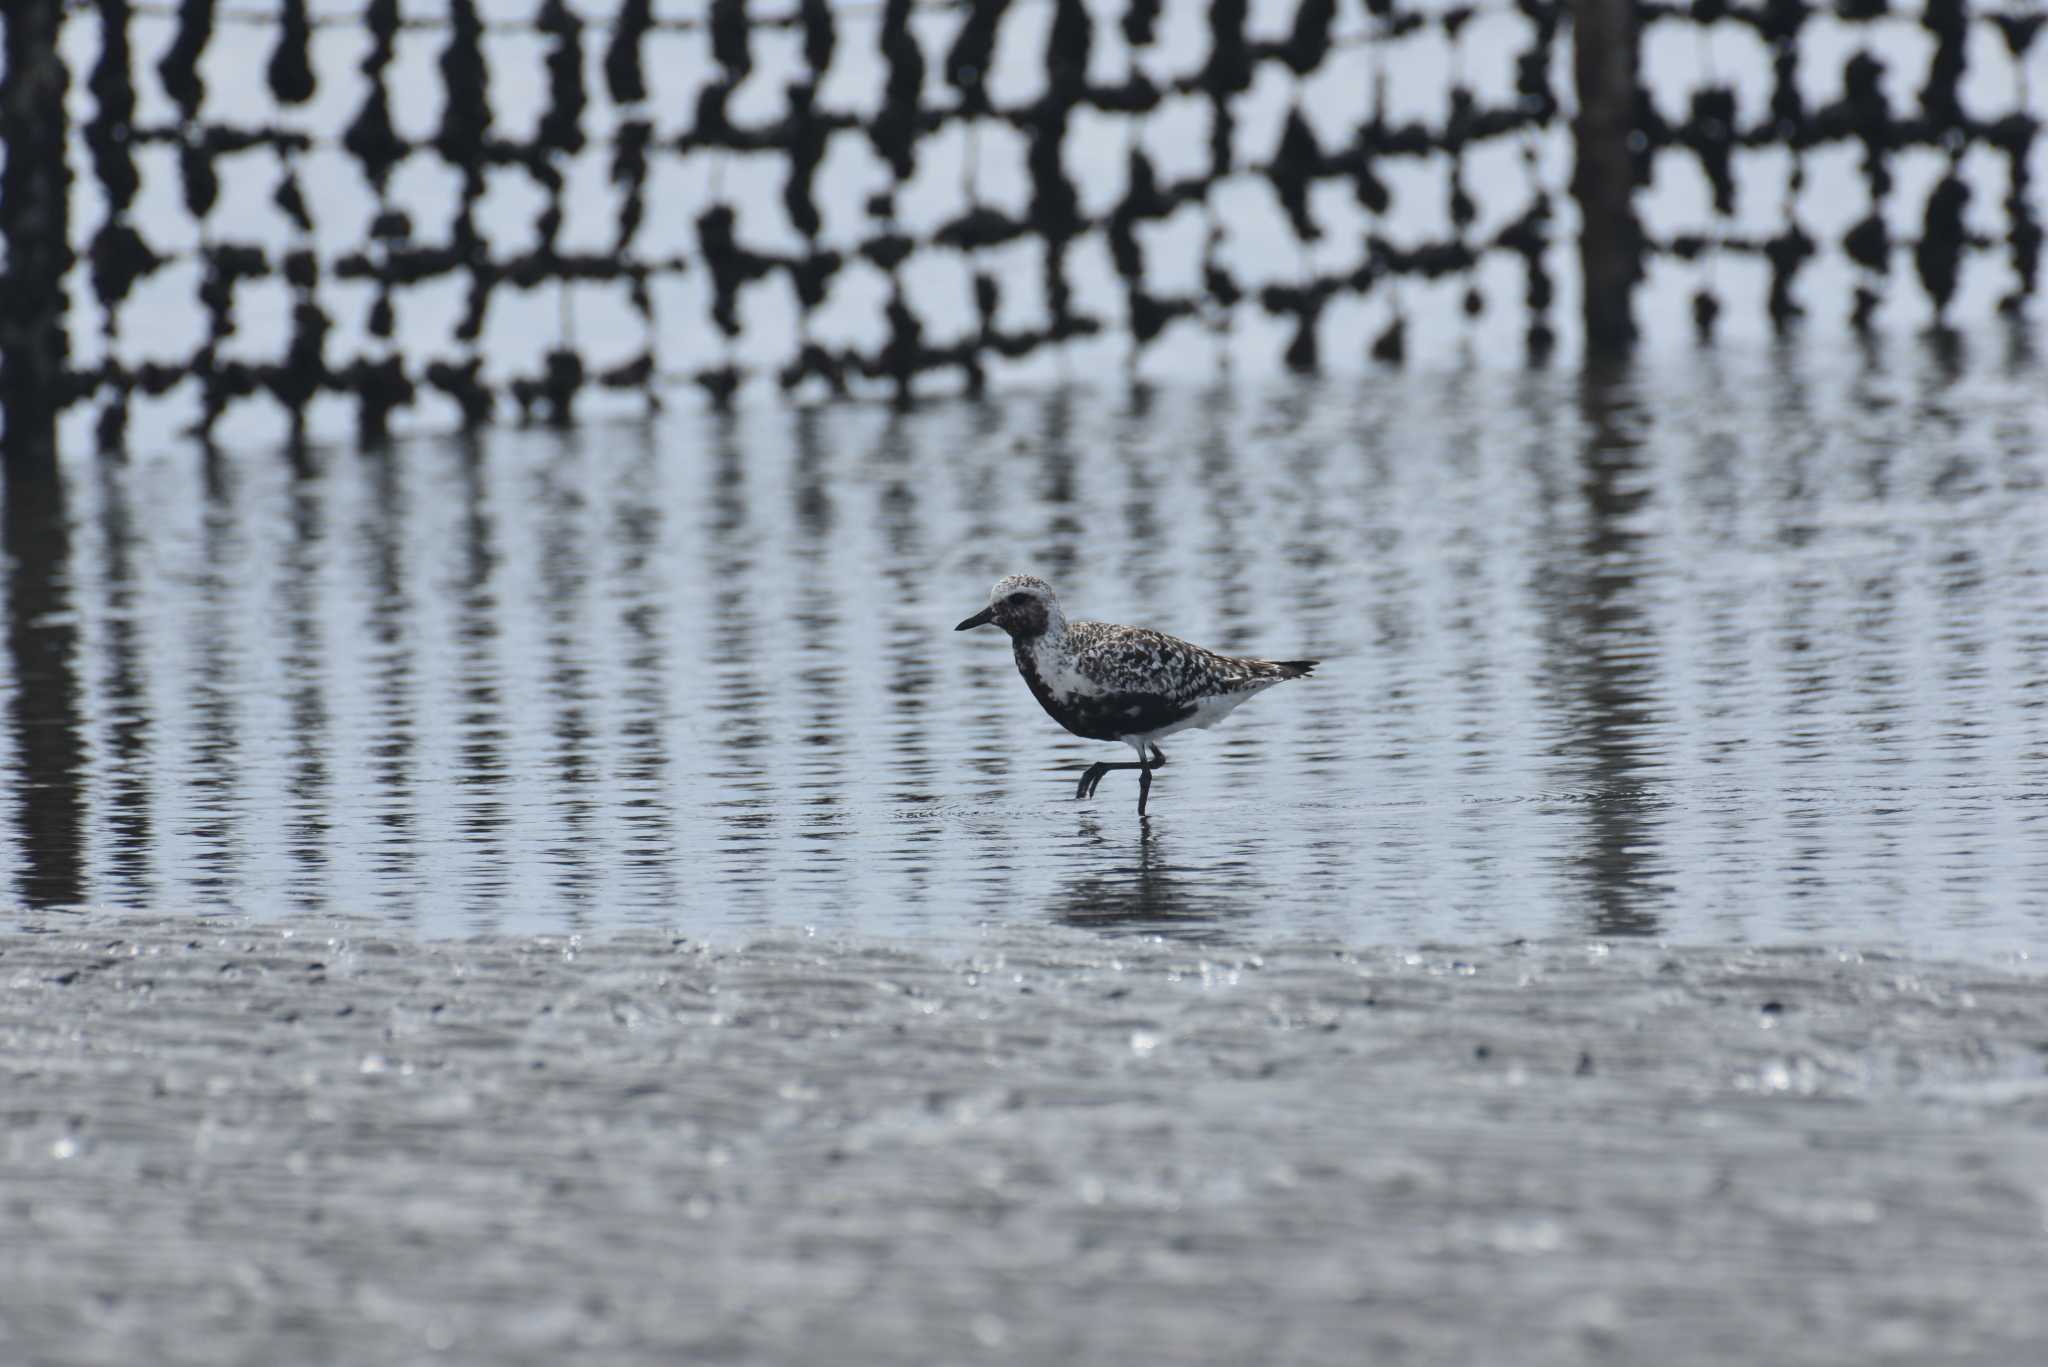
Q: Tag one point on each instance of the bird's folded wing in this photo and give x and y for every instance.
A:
(1133, 659)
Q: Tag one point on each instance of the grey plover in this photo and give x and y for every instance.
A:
(1126, 684)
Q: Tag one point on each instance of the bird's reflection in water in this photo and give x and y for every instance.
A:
(1129, 884)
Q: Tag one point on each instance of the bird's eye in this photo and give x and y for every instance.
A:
(1017, 600)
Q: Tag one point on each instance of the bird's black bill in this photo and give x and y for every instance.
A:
(979, 619)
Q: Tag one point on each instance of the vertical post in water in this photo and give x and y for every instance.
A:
(35, 227)
(1610, 240)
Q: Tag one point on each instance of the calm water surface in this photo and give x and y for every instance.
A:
(1731, 647)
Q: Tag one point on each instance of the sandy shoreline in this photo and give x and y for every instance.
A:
(315, 1141)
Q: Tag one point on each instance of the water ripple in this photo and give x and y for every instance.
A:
(1748, 646)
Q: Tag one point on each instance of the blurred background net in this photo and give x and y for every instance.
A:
(313, 215)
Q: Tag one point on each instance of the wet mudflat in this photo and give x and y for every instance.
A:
(316, 1140)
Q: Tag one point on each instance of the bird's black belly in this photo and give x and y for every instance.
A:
(1103, 716)
(1112, 716)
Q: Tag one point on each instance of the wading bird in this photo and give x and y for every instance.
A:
(1106, 682)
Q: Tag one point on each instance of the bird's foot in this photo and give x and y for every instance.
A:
(1091, 780)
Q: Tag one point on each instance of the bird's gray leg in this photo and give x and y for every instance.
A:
(1145, 775)
(1091, 780)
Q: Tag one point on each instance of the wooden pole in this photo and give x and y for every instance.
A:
(35, 226)
(1603, 180)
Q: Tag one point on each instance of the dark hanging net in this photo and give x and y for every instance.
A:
(685, 107)
(1948, 91)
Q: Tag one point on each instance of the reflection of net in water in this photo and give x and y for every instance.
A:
(1745, 636)
(443, 208)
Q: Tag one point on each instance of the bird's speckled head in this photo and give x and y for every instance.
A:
(1022, 605)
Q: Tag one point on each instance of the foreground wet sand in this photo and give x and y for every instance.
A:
(315, 1142)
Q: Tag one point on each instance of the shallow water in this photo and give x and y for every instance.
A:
(1731, 647)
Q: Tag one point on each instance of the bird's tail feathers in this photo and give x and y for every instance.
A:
(1293, 669)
